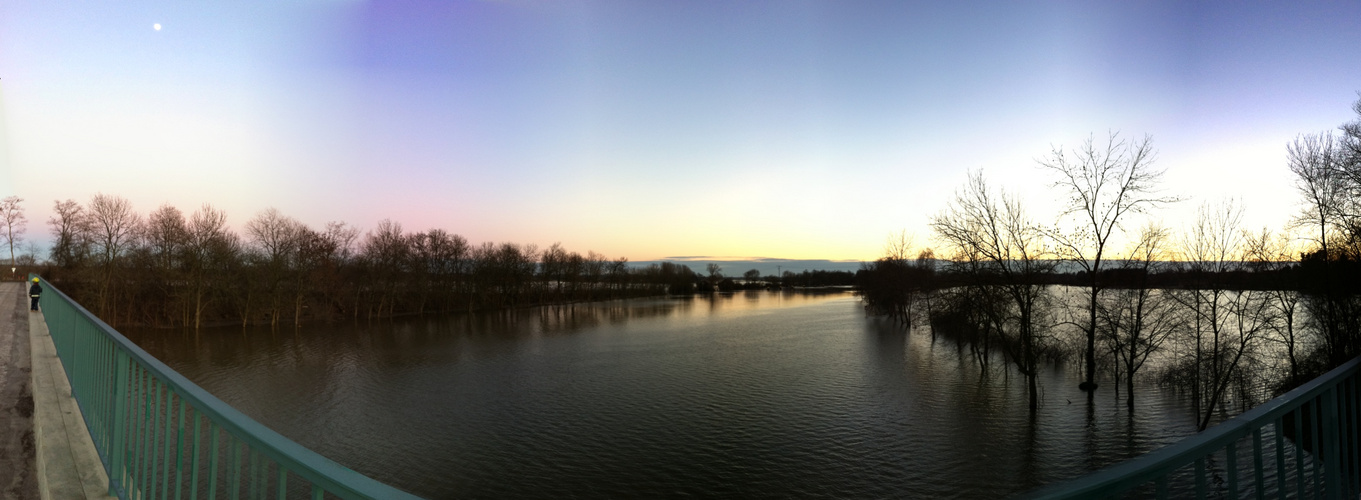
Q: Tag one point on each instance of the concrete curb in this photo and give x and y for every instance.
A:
(68, 465)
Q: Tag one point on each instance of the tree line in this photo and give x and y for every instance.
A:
(169, 269)
(1229, 314)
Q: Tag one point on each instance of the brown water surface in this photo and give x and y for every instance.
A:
(748, 395)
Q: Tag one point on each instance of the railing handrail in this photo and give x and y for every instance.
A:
(1150, 466)
(310, 465)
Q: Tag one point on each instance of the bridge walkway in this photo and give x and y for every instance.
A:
(43, 437)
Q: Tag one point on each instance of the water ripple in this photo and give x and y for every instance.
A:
(758, 396)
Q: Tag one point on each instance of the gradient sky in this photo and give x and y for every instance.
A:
(789, 129)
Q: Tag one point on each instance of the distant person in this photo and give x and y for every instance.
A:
(35, 291)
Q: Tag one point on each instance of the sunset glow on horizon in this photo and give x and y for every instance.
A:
(793, 130)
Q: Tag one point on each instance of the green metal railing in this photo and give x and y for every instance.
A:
(161, 436)
(1303, 444)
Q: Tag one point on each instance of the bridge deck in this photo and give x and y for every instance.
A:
(42, 433)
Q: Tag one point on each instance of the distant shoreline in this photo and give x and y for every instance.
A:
(766, 266)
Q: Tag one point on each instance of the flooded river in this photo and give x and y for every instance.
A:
(748, 395)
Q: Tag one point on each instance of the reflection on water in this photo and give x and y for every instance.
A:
(754, 394)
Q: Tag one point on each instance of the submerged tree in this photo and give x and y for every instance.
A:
(1137, 319)
(209, 252)
(164, 236)
(1227, 325)
(990, 228)
(275, 241)
(895, 284)
(1103, 185)
(715, 272)
(1273, 256)
(1328, 177)
(169, 270)
(114, 227)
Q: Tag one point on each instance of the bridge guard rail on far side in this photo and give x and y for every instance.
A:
(161, 436)
(1303, 444)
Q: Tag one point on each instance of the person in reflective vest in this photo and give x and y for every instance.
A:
(34, 291)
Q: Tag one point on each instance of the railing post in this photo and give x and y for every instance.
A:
(119, 421)
(1332, 469)
(1352, 419)
(68, 332)
(1231, 467)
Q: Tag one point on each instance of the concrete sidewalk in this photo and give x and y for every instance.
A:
(18, 449)
(65, 463)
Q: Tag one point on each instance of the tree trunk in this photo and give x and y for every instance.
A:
(1089, 384)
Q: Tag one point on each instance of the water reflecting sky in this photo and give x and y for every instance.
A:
(754, 394)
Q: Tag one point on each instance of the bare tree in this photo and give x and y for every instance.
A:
(276, 237)
(574, 269)
(310, 251)
(448, 256)
(596, 263)
(12, 216)
(992, 229)
(1274, 255)
(1103, 184)
(1227, 324)
(29, 255)
(895, 283)
(1139, 319)
(166, 235)
(619, 273)
(342, 237)
(272, 232)
(1348, 159)
(899, 246)
(197, 270)
(1252, 317)
(70, 229)
(1314, 161)
(114, 227)
(553, 266)
(210, 248)
(386, 253)
(339, 289)
(503, 273)
(1328, 177)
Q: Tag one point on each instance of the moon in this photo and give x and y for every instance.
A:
(156, 26)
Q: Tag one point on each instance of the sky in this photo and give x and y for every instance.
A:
(655, 129)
